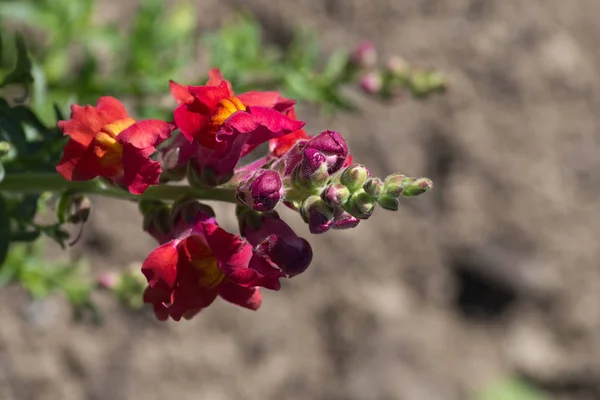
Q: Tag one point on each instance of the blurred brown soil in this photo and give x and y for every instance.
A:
(494, 273)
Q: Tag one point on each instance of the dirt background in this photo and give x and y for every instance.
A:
(493, 274)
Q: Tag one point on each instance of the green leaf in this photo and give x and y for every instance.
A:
(27, 208)
(510, 389)
(25, 236)
(2, 172)
(21, 73)
(10, 128)
(4, 230)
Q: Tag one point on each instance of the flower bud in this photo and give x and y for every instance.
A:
(108, 280)
(317, 214)
(335, 195)
(393, 185)
(343, 220)
(354, 177)
(388, 202)
(416, 186)
(360, 205)
(186, 210)
(371, 82)
(157, 220)
(364, 55)
(262, 191)
(374, 187)
(311, 172)
(397, 66)
(4, 148)
(333, 146)
(275, 241)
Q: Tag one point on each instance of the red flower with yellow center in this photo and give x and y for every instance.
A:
(104, 141)
(225, 126)
(204, 261)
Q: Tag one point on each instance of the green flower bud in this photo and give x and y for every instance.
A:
(354, 177)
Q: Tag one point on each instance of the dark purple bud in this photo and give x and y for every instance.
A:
(354, 177)
(317, 214)
(374, 187)
(186, 211)
(333, 146)
(335, 195)
(275, 241)
(262, 191)
(343, 220)
(364, 55)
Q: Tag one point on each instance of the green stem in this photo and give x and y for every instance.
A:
(53, 182)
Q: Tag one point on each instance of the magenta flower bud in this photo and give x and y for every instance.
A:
(317, 214)
(333, 146)
(354, 177)
(364, 55)
(108, 280)
(371, 82)
(343, 220)
(262, 191)
(275, 242)
(311, 172)
(335, 195)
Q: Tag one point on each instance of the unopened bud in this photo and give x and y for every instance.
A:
(335, 195)
(360, 205)
(388, 202)
(416, 186)
(393, 185)
(157, 220)
(333, 146)
(354, 177)
(374, 187)
(364, 55)
(317, 214)
(311, 172)
(371, 82)
(4, 148)
(108, 280)
(186, 210)
(397, 66)
(262, 191)
(343, 220)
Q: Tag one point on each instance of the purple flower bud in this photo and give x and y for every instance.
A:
(335, 195)
(275, 242)
(186, 212)
(374, 187)
(311, 172)
(354, 177)
(333, 146)
(364, 55)
(317, 214)
(262, 191)
(343, 220)
(371, 82)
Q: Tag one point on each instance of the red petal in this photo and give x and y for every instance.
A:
(191, 123)
(210, 95)
(250, 298)
(265, 99)
(180, 93)
(77, 162)
(161, 266)
(215, 78)
(112, 108)
(189, 298)
(146, 133)
(139, 171)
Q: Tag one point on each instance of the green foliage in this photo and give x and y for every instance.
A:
(510, 389)
(39, 277)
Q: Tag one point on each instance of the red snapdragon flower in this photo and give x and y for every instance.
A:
(228, 126)
(104, 141)
(204, 261)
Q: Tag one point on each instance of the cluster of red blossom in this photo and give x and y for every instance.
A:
(197, 260)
